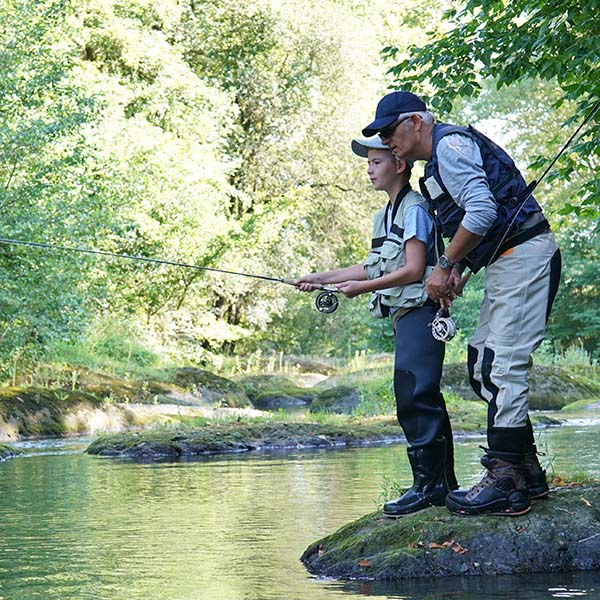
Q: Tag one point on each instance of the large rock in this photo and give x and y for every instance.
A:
(7, 452)
(32, 411)
(274, 392)
(550, 388)
(213, 438)
(210, 388)
(342, 399)
(559, 534)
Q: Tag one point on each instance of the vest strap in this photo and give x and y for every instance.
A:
(523, 236)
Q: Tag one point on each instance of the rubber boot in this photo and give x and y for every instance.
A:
(429, 488)
(502, 491)
(535, 476)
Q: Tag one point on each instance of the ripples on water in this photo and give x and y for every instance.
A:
(226, 527)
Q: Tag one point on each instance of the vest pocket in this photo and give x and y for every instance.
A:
(372, 265)
(392, 256)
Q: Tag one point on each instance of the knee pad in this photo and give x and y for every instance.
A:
(486, 371)
(472, 356)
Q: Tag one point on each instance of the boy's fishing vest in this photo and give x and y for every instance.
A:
(506, 184)
(388, 254)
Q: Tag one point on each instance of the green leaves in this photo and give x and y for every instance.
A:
(511, 42)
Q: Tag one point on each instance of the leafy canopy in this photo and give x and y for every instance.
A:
(512, 41)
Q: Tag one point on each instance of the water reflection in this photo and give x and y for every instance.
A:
(225, 527)
(533, 587)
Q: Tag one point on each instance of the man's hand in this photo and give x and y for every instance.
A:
(458, 282)
(350, 289)
(438, 284)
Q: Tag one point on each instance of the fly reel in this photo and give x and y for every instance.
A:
(443, 327)
(326, 302)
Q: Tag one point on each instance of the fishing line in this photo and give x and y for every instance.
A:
(326, 302)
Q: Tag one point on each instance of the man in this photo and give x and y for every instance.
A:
(483, 206)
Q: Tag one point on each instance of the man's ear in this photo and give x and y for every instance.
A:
(416, 122)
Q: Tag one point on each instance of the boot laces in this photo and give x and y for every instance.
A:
(489, 480)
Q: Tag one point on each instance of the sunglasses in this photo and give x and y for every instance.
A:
(388, 131)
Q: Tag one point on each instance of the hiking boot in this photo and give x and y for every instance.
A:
(535, 476)
(429, 481)
(502, 491)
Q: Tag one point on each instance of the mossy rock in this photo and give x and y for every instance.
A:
(308, 364)
(119, 389)
(277, 401)
(31, 411)
(338, 400)
(586, 406)
(270, 392)
(550, 388)
(210, 388)
(214, 438)
(559, 534)
(362, 377)
(7, 452)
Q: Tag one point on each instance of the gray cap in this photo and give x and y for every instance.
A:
(361, 147)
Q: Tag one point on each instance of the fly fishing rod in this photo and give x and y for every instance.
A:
(326, 301)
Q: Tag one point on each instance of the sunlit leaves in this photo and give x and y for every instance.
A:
(511, 42)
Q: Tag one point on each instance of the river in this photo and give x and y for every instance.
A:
(226, 527)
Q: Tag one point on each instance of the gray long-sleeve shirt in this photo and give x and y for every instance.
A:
(461, 168)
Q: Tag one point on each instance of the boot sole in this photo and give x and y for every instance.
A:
(540, 496)
(505, 513)
(491, 509)
(414, 512)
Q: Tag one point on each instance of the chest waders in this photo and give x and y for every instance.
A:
(522, 271)
(418, 359)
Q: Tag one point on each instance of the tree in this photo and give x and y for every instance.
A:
(512, 41)
(42, 111)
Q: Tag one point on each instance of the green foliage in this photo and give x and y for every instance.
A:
(511, 42)
(575, 317)
(218, 135)
(42, 113)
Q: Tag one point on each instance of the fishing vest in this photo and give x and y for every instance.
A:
(506, 184)
(388, 254)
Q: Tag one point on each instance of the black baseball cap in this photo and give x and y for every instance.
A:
(390, 107)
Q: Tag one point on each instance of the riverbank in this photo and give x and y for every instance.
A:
(7, 452)
(188, 411)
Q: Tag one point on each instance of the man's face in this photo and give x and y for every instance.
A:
(403, 137)
(382, 169)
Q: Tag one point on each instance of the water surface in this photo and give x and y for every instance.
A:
(225, 527)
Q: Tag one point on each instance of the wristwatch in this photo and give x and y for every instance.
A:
(444, 263)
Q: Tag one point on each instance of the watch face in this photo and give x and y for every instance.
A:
(444, 262)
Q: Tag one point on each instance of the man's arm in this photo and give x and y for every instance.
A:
(461, 169)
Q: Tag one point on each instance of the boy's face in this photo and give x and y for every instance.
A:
(383, 169)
